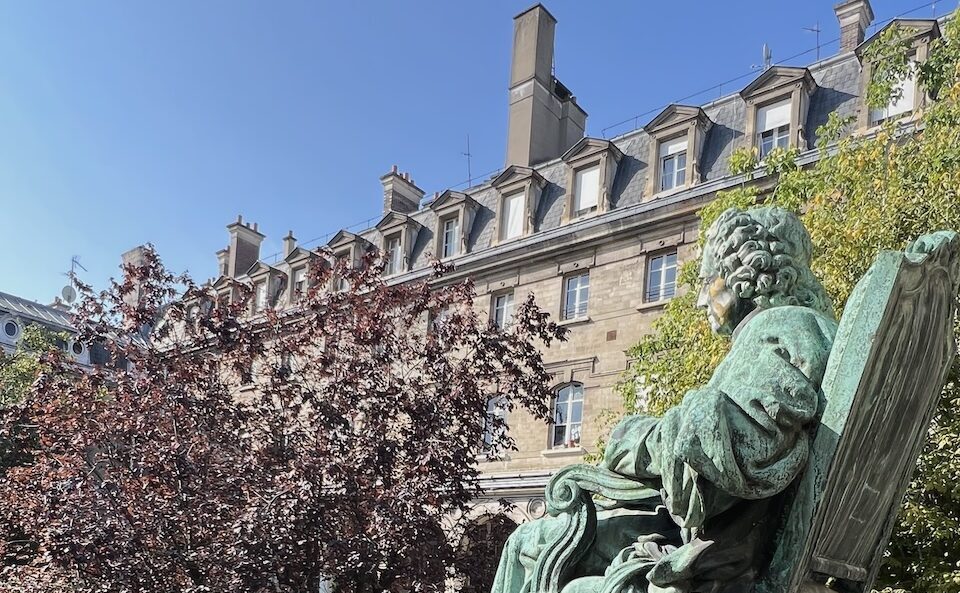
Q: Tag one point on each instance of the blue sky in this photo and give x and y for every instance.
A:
(127, 122)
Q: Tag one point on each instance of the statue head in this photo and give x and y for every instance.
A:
(756, 259)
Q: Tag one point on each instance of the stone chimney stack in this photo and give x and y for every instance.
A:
(244, 249)
(854, 17)
(134, 257)
(289, 244)
(544, 118)
(222, 261)
(400, 193)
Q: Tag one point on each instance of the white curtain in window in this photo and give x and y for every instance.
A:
(588, 188)
(674, 146)
(771, 117)
(904, 104)
(513, 216)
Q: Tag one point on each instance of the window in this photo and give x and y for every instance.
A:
(77, 348)
(511, 223)
(902, 106)
(503, 309)
(773, 126)
(260, 302)
(299, 281)
(587, 190)
(394, 256)
(567, 416)
(662, 277)
(11, 329)
(494, 424)
(451, 236)
(673, 163)
(576, 296)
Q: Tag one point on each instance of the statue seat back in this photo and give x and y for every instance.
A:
(893, 350)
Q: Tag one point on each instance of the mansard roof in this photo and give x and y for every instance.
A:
(776, 77)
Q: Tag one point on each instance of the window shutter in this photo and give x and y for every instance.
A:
(588, 189)
(771, 117)
(674, 146)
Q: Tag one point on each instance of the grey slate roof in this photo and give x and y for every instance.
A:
(838, 87)
(35, 311)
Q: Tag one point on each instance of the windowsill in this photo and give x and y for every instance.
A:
(564, 452)
(653, 304)
(488, 458)
(577, 321)
(668, 192)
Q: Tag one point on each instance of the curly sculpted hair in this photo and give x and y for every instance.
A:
(763, 254)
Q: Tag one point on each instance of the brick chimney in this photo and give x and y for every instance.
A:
(244, 249)
(400, 193)
(289, 244)
(544, 118)
(854, 17)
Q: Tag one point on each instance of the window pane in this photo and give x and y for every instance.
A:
(512, 216)
(563, 395)
(559, 434)
(574, 435)
(587, 192)
(576, 411)
(666, 173)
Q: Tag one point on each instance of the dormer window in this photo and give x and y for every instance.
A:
(450, 240)
(519, 190)
(586, 190)
(677, 137)
(399, 232)
(592, 170)
(903, 100)
(777, 103)
(773, 127)
(299, 282)
(673, 163)
(455, 212)
(394, 256)
(918, 35)
(511, 213)
(260, 296)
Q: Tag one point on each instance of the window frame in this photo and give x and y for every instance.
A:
(508, 308)
(449, 246)
(578, 185)
(648, 274)
(299, 291)
(393, 255)
(581, 292)
(505, 225)
(677, 170)
(575, 394)
(779, 138)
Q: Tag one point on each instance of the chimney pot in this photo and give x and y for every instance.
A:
(394, 170)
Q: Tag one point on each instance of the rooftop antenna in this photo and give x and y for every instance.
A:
(469, 170)
(767, 57)
(69, 293)
(816, 29)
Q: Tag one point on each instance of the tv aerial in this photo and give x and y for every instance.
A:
(69, 293)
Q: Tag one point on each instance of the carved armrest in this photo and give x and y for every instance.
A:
(569, 496)
(566, 486)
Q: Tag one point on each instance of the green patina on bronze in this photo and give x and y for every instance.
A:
(747, 485)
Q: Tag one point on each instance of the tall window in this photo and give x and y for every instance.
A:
(299, 281)
(662, 277)
(576, 294)
(260, 297)
(503, 309)
(586, 190)
(394, 256)
(904, 104)
(511, 223)
(673, 163)
(773, 126)
(494, 424)
(567, 416)
(451, 237)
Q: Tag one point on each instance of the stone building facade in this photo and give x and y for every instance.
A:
(594, 227)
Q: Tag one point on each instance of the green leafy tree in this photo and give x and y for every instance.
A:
(865, 194)
(20, 369)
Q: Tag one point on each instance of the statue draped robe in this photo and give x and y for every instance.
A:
(719, 459)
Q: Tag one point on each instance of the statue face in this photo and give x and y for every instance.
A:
(724, 309)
